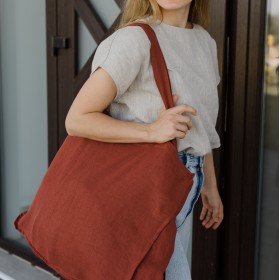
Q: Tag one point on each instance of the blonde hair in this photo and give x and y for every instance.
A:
(133, 10)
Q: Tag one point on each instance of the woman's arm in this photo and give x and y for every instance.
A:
(85, 117)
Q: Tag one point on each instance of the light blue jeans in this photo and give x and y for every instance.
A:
(178, 267)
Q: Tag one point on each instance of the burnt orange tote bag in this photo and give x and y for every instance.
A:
(106, 211)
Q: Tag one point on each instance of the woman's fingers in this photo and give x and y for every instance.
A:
(180, 134)
(216, 213)
(180, 109)
(208, 217)
(184, 120)
(171, 123)
(211, 220)
(218, 217)
(182, 127)
(180, 120)
(217, 224)
(210, 223)
(203, 213)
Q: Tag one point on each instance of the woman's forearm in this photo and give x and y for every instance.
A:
(101, 127)
(209, 171)
(170, 124)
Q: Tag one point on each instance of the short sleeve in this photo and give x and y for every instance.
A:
(121, 56)
(215, 60)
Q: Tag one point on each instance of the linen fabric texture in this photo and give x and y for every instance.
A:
(108, 210)
(191, 58)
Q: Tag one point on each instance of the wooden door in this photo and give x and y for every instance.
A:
(64, 77)
(230, 253)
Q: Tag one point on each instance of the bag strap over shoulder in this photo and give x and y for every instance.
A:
(159, 66)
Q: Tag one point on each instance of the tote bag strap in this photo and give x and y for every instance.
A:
(159, 68)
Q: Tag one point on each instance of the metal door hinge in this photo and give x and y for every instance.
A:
(58, 42)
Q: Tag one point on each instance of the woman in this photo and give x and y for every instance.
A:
(122, 80)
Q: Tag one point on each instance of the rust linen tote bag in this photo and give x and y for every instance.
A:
(107, 210)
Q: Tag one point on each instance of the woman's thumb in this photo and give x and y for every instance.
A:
(175, 98)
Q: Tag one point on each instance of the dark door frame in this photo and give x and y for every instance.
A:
(247, 30)
(230, 253)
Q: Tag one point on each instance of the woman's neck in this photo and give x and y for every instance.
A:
(177, 17)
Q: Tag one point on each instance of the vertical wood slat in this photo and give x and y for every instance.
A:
(66, 63)
(238, 24)
(52, 79)
(246, 32)
(252, 136)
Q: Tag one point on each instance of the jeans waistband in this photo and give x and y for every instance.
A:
(191, 159)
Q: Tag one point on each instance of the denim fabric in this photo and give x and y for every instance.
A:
(178, 267)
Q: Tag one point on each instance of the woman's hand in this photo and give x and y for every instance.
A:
(171, 123)
(212, 210)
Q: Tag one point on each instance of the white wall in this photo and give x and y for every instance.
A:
(24, 147)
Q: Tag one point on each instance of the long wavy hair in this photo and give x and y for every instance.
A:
(133, 10)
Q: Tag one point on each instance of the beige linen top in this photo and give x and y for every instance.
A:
(191, 58)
